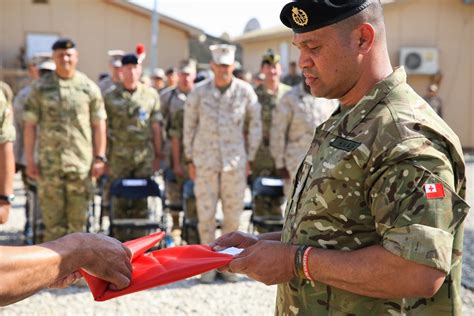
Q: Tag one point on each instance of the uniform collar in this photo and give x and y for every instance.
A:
(126, 92)
(353, 116)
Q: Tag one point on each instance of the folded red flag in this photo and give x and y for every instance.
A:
(159, 267)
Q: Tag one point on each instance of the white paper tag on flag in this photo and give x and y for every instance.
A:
(231, 251)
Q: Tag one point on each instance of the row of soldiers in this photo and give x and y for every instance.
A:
(216, 133)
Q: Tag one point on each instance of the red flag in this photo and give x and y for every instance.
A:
(159, 267)
(434, 190)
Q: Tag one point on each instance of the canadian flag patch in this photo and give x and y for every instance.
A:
(434, 190)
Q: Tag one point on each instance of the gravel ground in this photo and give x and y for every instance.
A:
(189, 297)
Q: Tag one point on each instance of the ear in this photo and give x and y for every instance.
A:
(366, 37)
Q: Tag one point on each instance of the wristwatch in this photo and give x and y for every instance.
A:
(9, 198)
(101, 158)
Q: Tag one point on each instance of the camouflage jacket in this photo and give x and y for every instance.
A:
(293, 123)
(268, 102)
(19, 107)
(106, 84)
(129, 120)
(7, 130)
(172, 100)
(366, 180)
(64, 111)
(214, 125)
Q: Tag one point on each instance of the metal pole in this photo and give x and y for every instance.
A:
(155, 25)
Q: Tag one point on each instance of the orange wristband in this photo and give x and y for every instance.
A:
(305, 263)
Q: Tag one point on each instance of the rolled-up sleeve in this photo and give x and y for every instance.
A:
(417, 212)
(281, 119)
(253, 114)
(191, 121)
(96, 106)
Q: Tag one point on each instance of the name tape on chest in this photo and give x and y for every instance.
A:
(434, 190)
(344, 144)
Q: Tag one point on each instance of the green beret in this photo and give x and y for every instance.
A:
(63, 43)
(270, 57)
(308, 15)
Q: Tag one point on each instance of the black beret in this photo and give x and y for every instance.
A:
(308, 15)
(129, 59)
(63, 43)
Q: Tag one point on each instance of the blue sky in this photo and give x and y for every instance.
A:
(218, 16)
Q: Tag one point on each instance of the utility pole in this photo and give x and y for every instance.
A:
(155, 25)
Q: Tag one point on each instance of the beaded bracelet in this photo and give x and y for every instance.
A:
(305, 260)
(299, 271)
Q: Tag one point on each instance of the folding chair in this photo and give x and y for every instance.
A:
(34, 233)
(272, 187)
(135, 189)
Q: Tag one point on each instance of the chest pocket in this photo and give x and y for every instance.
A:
(51, 105)
(77, 101)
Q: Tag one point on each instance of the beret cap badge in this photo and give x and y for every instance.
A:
(299, 16)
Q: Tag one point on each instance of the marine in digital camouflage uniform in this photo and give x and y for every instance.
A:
(379, 197)
(133, 119)
(69, 113)
(269, 94)
(293, 122)
(173, 102)
(215, 146)
(176, 133)
(214, 142)
(115, 67)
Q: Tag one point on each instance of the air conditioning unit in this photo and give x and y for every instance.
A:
(420, 60)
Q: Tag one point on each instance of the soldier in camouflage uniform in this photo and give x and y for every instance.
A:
(269, 94)
(69, 111)
(134, 137)
(215, 146)
(293, 123)
(115, 67)
(37, 67)
(7, 159)
(172, 101)
(374, 225)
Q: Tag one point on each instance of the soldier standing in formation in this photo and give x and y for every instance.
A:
(293, 123)
(54, 264)
(69, 111)
(292, 78)
(172, 108)
(215, 147)
(115, 67)
(134, 137)
(374, 225)
(37, 67)
(158, 79)
(269, 94)
(171, 77)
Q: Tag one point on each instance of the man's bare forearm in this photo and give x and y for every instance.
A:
(100, 137)
(26, 270)
(176, 151)
(374, 272)
(156, 129)
(7, 168)
(29, 139)
(270, 236)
